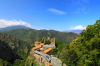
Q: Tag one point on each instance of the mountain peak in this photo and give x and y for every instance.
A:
(14, 27)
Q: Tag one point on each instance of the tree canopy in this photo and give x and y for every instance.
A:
(84, 50)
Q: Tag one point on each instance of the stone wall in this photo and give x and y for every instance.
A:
(40, 60)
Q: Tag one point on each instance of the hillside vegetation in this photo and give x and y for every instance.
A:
(19, 46)
(13, 52)
(84, 50)
(6, 53)
(32, 35)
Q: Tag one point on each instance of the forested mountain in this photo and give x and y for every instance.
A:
(20, 47)
(13, 27)
(7, 53)
(33, 35)
(13, 52)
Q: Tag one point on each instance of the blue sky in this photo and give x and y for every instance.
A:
(49, 14)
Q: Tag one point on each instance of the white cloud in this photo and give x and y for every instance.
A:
(5, 23)
(58, 12)
(80, 27)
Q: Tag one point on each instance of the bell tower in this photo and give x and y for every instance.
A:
(53, 41)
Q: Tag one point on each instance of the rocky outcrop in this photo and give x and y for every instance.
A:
(56, 62)
(12, 41)
(21, 47)
(6, 53)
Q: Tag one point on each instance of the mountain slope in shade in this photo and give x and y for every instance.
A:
(20, 47)
(6, 53)
(13, 27)
(32, 35)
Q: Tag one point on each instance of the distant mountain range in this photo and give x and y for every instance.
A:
(31, 35)
(13, 27)
(20, 26)
(74, 31)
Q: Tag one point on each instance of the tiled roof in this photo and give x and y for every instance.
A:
(47, 50)
(41, 44)
(47, 57)
(37, 42)
(37, 47)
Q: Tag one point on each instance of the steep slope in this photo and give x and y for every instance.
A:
(33, 35)
(20, 47)
(6, 53)
(13, 27)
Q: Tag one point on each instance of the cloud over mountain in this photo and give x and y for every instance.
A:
(5, 23)
(80, 27)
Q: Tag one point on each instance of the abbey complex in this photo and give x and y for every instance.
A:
(42, 53)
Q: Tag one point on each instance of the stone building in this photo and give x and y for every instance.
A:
(42, 53)
(52, 41)
(42, 59)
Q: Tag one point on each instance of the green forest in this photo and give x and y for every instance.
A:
(84, 50)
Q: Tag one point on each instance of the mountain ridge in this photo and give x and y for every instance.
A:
(74, 31)
(33, 35)
(14, 27)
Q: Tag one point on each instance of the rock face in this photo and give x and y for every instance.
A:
(6, 53)
(12, 41)
(11, 48)
(64, 65)
(19, 46)
(56, 62)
